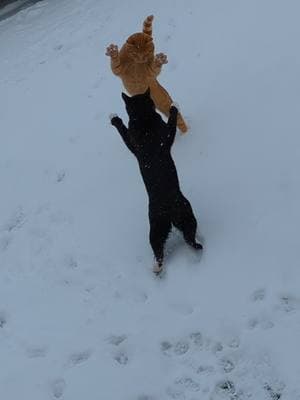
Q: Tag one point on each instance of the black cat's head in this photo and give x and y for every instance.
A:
(139, 106)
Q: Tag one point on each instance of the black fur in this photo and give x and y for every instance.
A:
(150, 139)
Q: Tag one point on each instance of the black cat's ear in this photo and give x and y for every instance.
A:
(125, 97)
(147, 93)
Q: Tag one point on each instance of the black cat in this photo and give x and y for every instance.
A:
(150, 139)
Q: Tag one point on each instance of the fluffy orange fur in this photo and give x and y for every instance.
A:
(138, 68)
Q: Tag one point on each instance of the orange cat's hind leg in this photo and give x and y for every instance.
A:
(165, 109)
(163, 102)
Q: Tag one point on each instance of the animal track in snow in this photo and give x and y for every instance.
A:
(261, 322)
(116, 340)
(58, 47)
(194, 341)
(273, 394)
(166, 347)
(71, 262)
(5, 241)
(3, 319)
(205, 370)
(258, 294)
(288, 303)
(187, 383)
(181, 347)
(58, 387)
(60, 176)
(15, 222)
(233, 342)
(227, 365)
(217, 347)
(197, 339)
(36, 351)
(121, 357)
(225, 390)
(79, 357)
(202, 359)
(178, 348)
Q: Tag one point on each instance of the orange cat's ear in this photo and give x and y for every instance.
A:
(125, 97)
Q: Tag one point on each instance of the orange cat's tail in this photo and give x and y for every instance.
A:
(163, 102)
(147, 25)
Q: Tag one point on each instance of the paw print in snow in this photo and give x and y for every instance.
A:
(80, 357)
(181, 347)
(58, 387)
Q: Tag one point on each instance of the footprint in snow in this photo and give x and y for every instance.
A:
(197, 339)
(288, 303)
(178, 348)
(3, 319)
(260, 322)
(181, 387)
(15, 222)
(205, 370)
(166, 347)
(116, 340)
(225, 390)
(5, 241)
(233, 342)
(194, 341)
(71, 262)
(58, 47)
(258, 295)
(79, 357)
(217, 347)
(181, 347)
(272, 393)
(121, 357)
(60, 176)
(57, 387)
(227, 365)
(36, 351)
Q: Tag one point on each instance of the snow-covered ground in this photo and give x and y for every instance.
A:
(81, 316)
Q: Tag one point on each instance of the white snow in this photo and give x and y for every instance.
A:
(81, 316)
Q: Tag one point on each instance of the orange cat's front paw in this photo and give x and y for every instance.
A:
(112, 50)
(161, 59)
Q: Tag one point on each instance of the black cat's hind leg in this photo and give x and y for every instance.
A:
(160, 227)
(183, 219)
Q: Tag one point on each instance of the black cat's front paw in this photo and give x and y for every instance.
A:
(174, 109)
(114, 118)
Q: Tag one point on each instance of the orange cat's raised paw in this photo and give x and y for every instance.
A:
(112, 50)
(161, 59)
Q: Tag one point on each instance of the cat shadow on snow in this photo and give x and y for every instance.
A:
(150, 139)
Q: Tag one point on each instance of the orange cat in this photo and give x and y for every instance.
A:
(138, 68)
